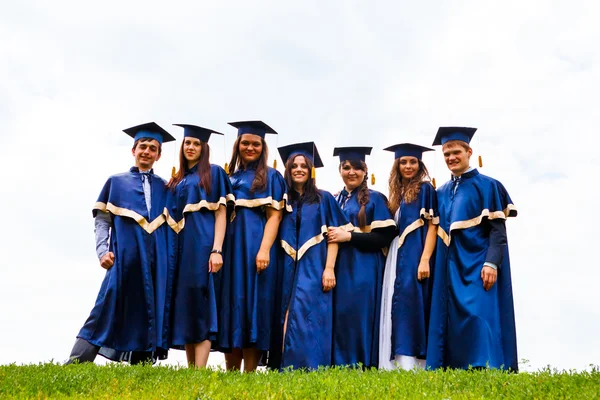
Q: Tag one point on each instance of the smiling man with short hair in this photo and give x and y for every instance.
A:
(472, 321)
(127, 319)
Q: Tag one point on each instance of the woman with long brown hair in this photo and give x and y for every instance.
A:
(249, 276)
(196, 212)
(306, 313)
(407, 279)
(360, 262)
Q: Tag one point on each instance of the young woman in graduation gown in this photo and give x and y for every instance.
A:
(360, 262)
(197, 213)
(248, 280)
(309, 262)
(406, 298)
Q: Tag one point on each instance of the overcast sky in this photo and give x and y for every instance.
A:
(73, 75)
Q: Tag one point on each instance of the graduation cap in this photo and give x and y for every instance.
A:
(408, 150)
(352, 153)
(447, 133)
(150, 130)
(307, 149)
(253, 127)
(197, 132)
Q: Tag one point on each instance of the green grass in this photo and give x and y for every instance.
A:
(143, 382)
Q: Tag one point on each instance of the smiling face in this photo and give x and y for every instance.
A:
(352, 175)
(457, 157)
(146, 153)
(192, 149)
(408, 167)
(250, 148)
(299, 171)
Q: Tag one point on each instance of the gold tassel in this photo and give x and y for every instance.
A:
(433, 183)
(480, 162)
(226, 168)
(275, 163)
(313, 173)
(173, 172)
(372, 179)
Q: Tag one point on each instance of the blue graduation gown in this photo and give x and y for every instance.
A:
(129, 310)
(470, 326)
(191, 215)
(247, 299)
(411, 300)
(309, 335)
(357, 294)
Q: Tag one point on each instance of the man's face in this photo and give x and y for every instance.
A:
(456, 157)
(146, 153)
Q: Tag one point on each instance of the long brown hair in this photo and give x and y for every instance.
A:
(408, 193)
(203, 168)
(260, 177)
(362, 191)
(311, 192)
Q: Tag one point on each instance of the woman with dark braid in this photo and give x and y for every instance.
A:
(406, 283)
(360, 263)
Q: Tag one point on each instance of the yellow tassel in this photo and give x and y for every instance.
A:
(480, 162)
(433, 183)
(313, 173)
(275, 163)
(372, 179)
(173, 172)
(226, 168)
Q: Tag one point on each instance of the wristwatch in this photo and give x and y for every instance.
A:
(216, 251)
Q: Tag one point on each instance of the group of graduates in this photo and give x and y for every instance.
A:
(270, 270)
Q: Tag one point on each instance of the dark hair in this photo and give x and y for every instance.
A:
(260, 178)
(203, 168)
(362, 191)
(311, 193)
(143, 140)
(409, 193)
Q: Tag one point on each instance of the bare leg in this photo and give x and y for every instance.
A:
(233, 360)
(201, 351)
(287, 313)
(190, 354)
(251, 359)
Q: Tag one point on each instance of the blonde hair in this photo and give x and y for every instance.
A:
(408, 193)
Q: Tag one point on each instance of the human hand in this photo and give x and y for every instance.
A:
(489, 276)
(328, 279)
(107, 260)
(262, 260)
(423, 271)
(338, 235)
(215, 262)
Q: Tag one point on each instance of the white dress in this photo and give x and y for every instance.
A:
(386, 362)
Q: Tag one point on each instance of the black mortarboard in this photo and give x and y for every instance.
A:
(352, 153)
(197, 132)
(253, 127)
(447, 133)
(307, 149)
(408, 149)
(150, 130)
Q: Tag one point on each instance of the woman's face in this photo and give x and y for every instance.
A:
(250, 148)
(351, 176)
(299, 171)
(192, 148)
(409, 167)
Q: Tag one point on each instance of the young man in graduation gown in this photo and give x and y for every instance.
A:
(472, 321)
(126, 322)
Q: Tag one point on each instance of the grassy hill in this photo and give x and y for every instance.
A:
(91, 381)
